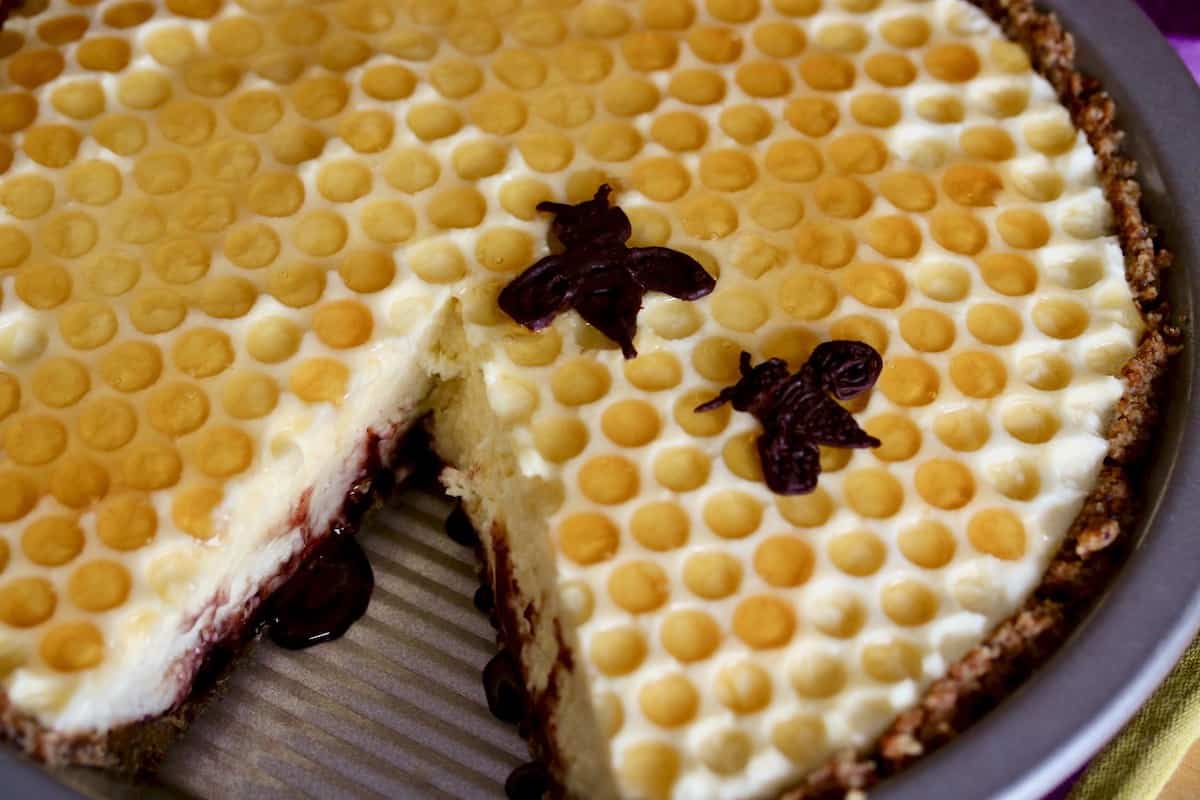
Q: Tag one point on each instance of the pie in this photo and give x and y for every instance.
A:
(789, 357)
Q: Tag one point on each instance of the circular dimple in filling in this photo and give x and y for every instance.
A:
(908, 603)
(945, 484)
(1046, 371)
(273, 340)
(927, 544)
(978, 374)
(99, 586)
(741, 310)
(816, 674)
(681, 469)
(34, 439)
(60, 382)
(192, 510)
(873, 493)
(72, 646)
(249, 395)
(579, 382)
(617, 651)
(630, 423)
(588, 538)
(857, 553)
(672, 320)
(669, 701)
(559, 439)
(836, 613)
(660, 526)
(712, 575)
(1017, 479)
(740, 455)
(649, 768)
(178, 408)
(1060, 318)
(743, 687)
(608, 480)
(994, 324)
(653, 372)
(806, 511)
(78, 481)
(891, 661)
(732, 514)
(223, 451)
(1030, 423)
(927, 330)
(320, 233)
(689, 635)
(764, 622)
(874, 284)
(784, 561)
(717, 359)
(87, 325)
(997, 532)
(28, 196)
(704, 423)
(965, 429)
(638, 586)
(900, 439)
(52, 541)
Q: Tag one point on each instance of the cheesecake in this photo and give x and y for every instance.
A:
(788, 356)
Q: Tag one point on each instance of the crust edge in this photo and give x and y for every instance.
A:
(1099, 538)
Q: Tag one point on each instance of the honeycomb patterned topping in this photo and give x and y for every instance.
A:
(215, 215)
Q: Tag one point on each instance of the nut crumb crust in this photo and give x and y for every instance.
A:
(1098, 540)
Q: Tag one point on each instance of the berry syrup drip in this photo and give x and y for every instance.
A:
(502, 684)
(321, 601)
(598, 275)
(332, 590)
(798, 411)
(485, 603)
(460, 529)
(527, 782)
(508, 702)
(504, 689)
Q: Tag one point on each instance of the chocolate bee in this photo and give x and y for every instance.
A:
(797, 411)
(598, 275)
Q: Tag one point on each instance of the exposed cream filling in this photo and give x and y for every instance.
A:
(511, 510)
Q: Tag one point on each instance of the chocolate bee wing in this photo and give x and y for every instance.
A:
(827, 423)
(539, 293)
(790, 462)
(804, 407)
(660, 269)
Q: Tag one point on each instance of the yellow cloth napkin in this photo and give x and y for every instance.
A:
(1141, 759)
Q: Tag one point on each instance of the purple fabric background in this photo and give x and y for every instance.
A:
(1189, 48)
(1180, 21)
